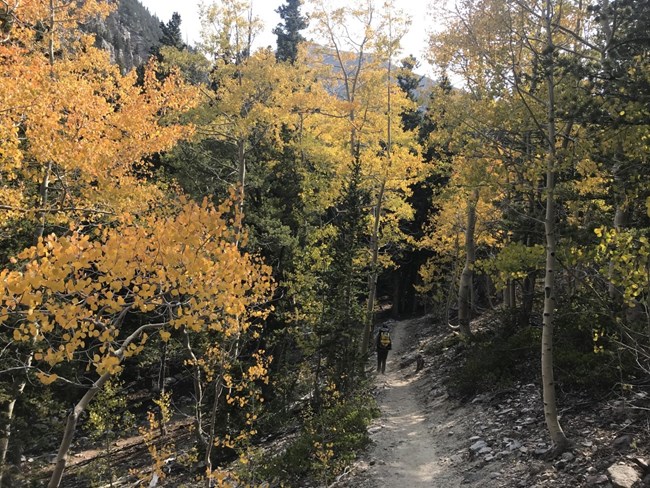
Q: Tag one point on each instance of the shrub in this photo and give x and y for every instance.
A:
(497, 362)
(329, 440)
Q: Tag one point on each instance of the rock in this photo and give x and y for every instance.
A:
(640, 462)
(594, 480)
(478, 445)
(480, 398)
(456, 458)
(495, 475)
(474, 438)
(623, 476)
(560, 465)
(622, 442)
(523, 450)
(472, 478)
(485, 450)
(568, 456)
(408, 360)
(514, 445)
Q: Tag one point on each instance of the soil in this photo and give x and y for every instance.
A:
(425, 438)
(412, 440)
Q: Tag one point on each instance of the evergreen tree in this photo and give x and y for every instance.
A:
(343, 308)
(171, 32)
(409, 82)
(288, 34)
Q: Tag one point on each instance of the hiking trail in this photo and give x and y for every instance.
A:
(415, 439)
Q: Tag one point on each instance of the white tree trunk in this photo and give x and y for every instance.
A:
(467, 276)
(548, 380)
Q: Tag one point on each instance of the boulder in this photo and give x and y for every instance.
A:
(623, 476)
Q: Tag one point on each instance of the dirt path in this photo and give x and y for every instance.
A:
(413, 444)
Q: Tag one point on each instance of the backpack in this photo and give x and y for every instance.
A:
(384, 339)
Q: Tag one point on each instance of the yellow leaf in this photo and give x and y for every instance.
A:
(46, 379)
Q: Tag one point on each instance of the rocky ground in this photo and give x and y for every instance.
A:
(427, 437)
(497, 439)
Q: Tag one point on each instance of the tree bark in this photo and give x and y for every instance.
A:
(19, 386)
(218, 392)
(198, 393)
(548, 380)
(507, 297)
(70, 427)
(466, 277)
(73, 417)
(620, 222)
(374, 273)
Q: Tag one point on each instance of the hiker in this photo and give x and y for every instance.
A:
(384, 345)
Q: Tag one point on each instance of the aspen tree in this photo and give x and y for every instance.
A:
(73, 129)
(74, 295)
(387, 154)
(513, 48)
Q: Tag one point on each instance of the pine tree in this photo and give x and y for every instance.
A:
(171, 32)
(343, 311)
(288, 34)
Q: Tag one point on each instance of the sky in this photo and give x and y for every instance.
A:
(414, 42)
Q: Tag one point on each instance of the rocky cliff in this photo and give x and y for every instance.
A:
(128, 34)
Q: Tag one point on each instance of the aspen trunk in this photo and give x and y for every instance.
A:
(466, 277)
(19, 386)
(548, 380)
(507, 298)
(44, 189)
(198, 393)
(241, 191)
(620, 221)
(38, 234)
(374, 273)
(218, 392)
(70, 427)
(73, 417)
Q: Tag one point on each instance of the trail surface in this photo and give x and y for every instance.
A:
(414, 440)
